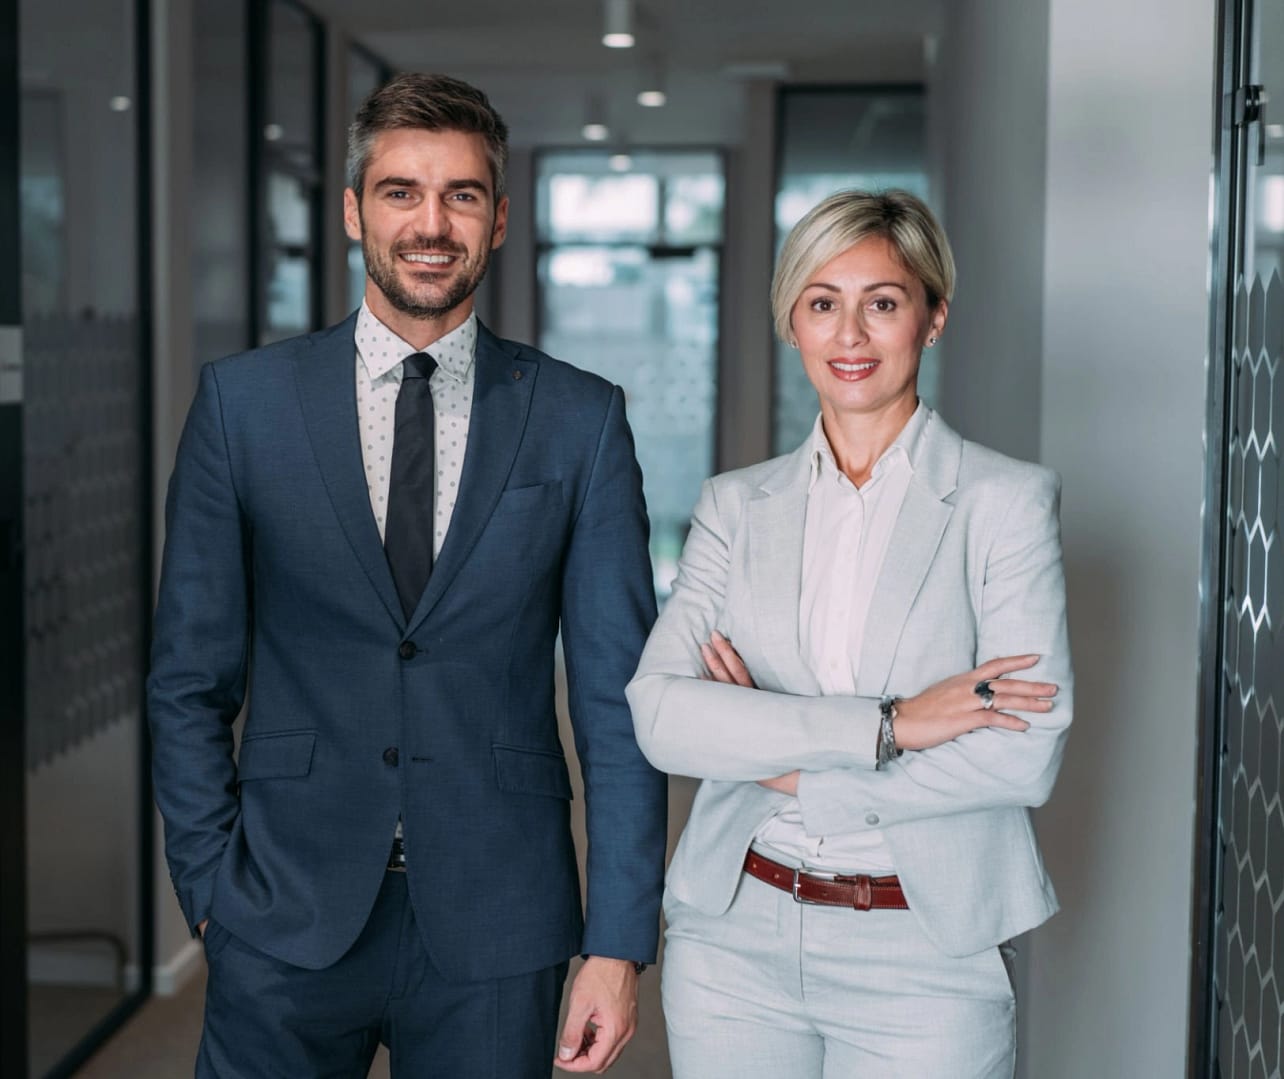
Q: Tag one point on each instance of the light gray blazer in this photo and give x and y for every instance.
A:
(972, 572)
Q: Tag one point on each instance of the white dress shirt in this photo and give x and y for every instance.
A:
(845, 539)
(380, 353)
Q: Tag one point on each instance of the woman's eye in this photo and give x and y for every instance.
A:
(822, 305)
(884, 305)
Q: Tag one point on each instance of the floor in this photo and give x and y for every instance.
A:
(160, 1042)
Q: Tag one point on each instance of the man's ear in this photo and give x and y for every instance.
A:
(351, 215)
(500, 229)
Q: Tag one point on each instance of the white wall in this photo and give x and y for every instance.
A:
(1130, 132)
(1083, 345)
(993, 74)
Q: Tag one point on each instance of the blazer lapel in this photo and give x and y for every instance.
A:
(326, 381)
(501, 401)
(774, 524)
(910, 550)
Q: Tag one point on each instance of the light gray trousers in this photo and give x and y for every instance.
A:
(776, 988)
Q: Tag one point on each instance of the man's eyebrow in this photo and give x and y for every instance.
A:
(397, 181)
(468, 184)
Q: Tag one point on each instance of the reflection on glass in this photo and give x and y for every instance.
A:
(287, 248)
(290, 121)
(629, 278)
(831, 140)
(220, 218)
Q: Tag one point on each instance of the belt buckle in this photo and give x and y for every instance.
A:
(794, 890)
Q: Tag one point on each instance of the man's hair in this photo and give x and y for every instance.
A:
(845, 219)
(427, 103)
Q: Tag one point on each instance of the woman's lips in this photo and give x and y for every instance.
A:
(852, 370)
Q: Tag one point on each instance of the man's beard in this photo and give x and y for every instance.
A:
(382, 270)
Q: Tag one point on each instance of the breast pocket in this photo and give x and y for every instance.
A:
(519, 501)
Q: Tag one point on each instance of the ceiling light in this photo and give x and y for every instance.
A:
(273, 132)
(652, 99)
(651, 84)
(596, 132)
(119, 103)
(617, 24)
(620, 162)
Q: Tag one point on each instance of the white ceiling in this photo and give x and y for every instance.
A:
(541, 61)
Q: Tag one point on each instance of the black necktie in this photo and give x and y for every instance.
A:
(408, 532)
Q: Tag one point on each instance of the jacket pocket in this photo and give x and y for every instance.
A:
(524, 499)
(531, 771)
(287, 755)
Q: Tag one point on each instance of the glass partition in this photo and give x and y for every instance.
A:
(629, 265)
(831, 139)
(289, 147)
(86, 522)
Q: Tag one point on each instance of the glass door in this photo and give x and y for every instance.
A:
(77, 525)
(1238, 1011)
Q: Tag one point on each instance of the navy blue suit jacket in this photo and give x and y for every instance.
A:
(275, 581)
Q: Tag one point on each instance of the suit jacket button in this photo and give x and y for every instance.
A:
(390, 756)
(871, 818)
(407, 650)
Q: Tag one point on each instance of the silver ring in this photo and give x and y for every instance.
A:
(983, 690)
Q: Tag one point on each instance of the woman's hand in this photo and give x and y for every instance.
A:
(953, 707)
(723, 664)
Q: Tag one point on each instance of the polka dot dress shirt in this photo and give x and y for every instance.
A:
(379, 356)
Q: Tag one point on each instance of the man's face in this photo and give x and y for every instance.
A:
(427, 221)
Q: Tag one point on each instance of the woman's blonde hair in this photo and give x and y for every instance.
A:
(843, 220)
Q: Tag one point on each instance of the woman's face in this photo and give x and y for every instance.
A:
(861, 322)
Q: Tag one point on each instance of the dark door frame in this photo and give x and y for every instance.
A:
(13, 795)
(1230, 143)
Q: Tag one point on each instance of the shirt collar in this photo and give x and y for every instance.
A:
(381, 351)
(907, 446)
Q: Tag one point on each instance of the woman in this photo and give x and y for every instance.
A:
(860, 850)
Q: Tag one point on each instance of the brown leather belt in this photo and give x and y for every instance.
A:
(397, 856)
(856, 893)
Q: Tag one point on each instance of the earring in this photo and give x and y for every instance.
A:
(931, 341)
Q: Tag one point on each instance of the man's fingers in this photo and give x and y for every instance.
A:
(574, 1033)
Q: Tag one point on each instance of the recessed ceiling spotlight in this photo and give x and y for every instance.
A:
(596, 132)
(119, 103)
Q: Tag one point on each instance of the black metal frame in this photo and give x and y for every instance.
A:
(1227, 239)
(13, 756)
(258, 25)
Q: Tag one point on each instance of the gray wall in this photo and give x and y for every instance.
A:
(1083, 345)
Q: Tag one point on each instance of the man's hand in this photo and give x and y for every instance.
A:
(200, 928)
(601, 1016)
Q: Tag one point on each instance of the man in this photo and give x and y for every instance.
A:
(377, 530)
